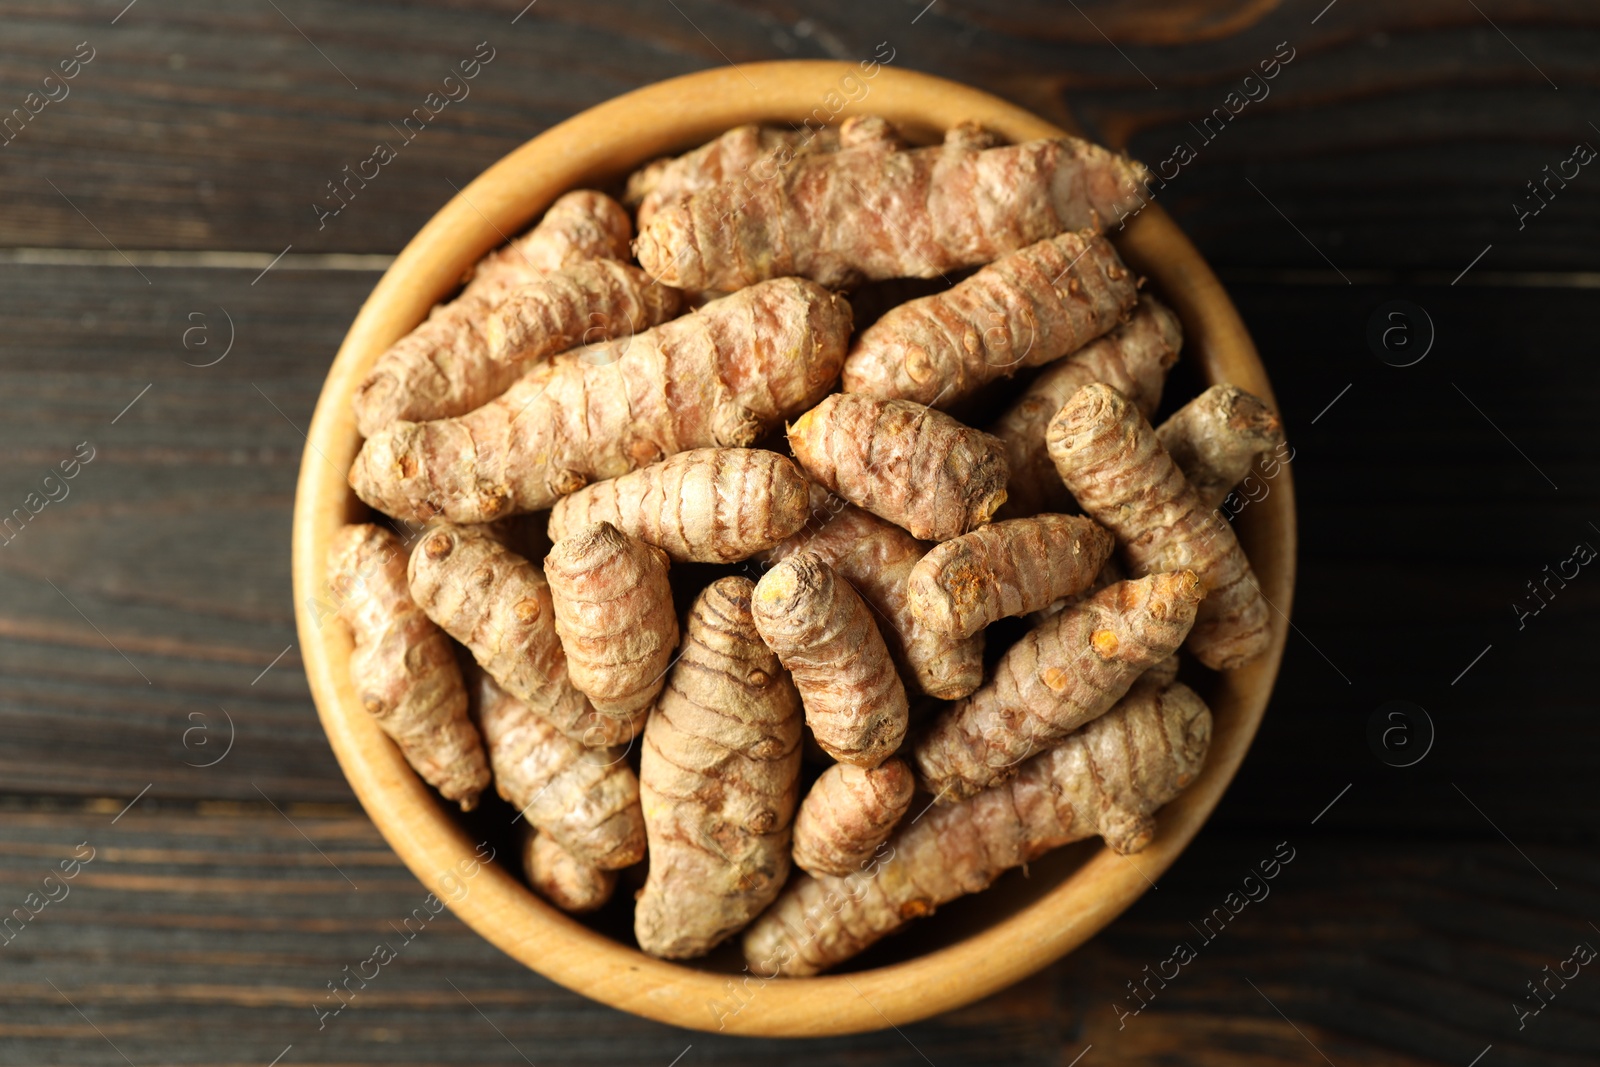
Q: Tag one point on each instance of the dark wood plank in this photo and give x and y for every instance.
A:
(1376, 951)
(1420, 525)
(208, 936)
(198, 938)
(169, 552)
(1399, 135)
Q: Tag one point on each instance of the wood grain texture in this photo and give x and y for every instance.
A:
(1399, 135)
(167, 553)
(208, 936)
(1403, 932)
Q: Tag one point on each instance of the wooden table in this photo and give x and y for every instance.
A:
(170, 303)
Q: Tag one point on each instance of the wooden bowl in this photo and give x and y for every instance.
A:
(983, 943)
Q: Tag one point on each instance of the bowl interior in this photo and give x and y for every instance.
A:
(976, 945)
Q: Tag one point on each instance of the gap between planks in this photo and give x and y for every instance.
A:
(180, 259)
(376, 263)
(1531, 279)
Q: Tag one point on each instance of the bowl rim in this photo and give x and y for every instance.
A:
(599, 145)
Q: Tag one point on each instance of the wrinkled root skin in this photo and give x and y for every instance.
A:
(719, 775)
(564, 880)
(1215, 439)
(1062, 674)
(586, 799)
(1134, 359)
(910, 464)
(876, 557)
(862, 213)
(1005, 569)
(444, 367)
(708, 505)
(848, 813)
(1108, 778)
(403, 666)
(1024, 310)
(498, 605)
(825, 635)
(720, 377)
(1111, 460)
